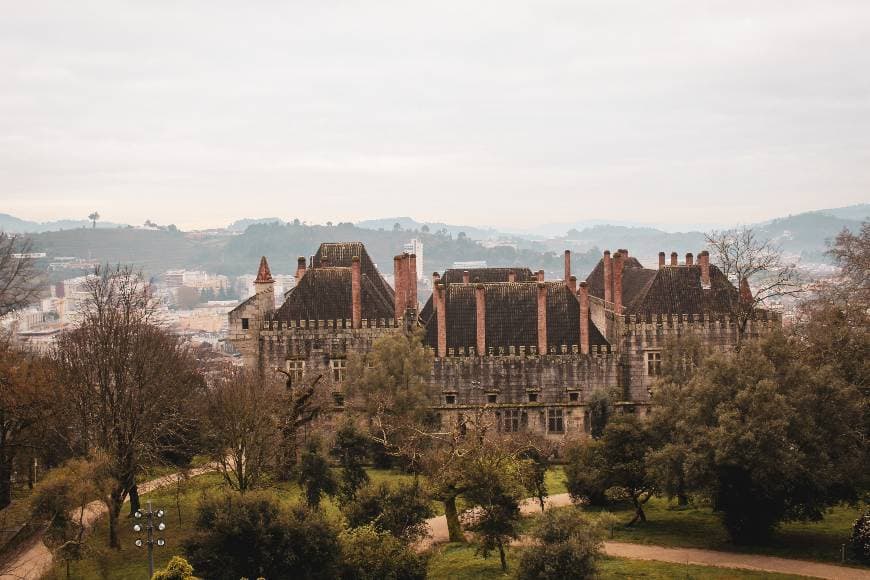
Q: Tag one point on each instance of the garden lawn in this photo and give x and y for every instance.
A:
(459, 561)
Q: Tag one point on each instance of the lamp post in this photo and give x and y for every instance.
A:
(153, 520)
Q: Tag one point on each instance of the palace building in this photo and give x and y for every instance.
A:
(532, 350)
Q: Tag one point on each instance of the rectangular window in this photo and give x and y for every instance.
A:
(450, 399)
(653, 363)
(491, 398)
(338, 366)
(573, 397)
(296, 368)
(245, 324)
(533, 397)
(339, 399)
(555, 421)
(513, 421)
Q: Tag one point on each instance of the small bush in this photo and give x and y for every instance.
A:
(859, 542)
(177, 569)
(368, 554)
(567, 546)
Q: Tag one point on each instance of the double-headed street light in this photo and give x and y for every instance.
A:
(153, 520)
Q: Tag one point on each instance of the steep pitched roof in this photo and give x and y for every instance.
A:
(264, 275)
(511, 316)
(677, 290)
(340, 254)
(325, 294)
(634, 279)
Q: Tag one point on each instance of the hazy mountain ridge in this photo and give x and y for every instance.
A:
(14, 225)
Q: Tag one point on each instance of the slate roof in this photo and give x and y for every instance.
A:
(340, 254)
(667, 290)
(511, 316)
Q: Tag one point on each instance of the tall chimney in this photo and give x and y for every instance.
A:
(399, 283)
(584, 317)
(356, 293)
(542, 318)
(480, 305)
(567, 265)
(512, 276)
(411, 282)
(572, 284)
(704, 262)
(690, 260)
(618, 263)
(745, 291)
(441, 316)
(661, 259)
(608, 280)
(466, 277)
(300, 268)
(539, 275)
(673, 258)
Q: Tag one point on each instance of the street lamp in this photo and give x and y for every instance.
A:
(152, 520)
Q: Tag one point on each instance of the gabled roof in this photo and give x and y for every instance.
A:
(325, 294)
(340, 254)
(511, 316)
(264, 275)
(634, 279)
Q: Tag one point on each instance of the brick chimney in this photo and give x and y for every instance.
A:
(356, 292)
(690, 260)
(512, 276)
(584, 317)
(618, 265)
(539, 275)
(480, 306)
(466, 277)
(745, 291)
(661, 260)
(399, 284)
(441, 317)
(542, 318)
(567, 265)
(300, 268)
(704, 262)
(673, 258)
(572, 284)
(411, 282)
(608, 279)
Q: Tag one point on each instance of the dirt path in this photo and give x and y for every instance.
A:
(35, 560)
(438, 534)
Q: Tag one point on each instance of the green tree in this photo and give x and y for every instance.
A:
(584, 473)
(177, 569)
(350, 448)
(566, 545)
(369, 554)
(252, 535)
(400, 510)
(315, 476)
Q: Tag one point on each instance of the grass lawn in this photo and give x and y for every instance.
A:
(699, 527)
(459, 561)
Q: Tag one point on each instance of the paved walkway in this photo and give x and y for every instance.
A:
(438, 534)
(34, 561)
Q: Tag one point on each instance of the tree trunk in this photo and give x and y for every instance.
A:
(5, 481)
(134, 499)
(502, 557)
(638, 511)
(115, 504)
(454, 528)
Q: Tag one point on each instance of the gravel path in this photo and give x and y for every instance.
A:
(438, 534)
(35, 560)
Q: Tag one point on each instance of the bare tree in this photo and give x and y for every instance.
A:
(94, 217)
(18, 275)
(244, 426)
(741, 255)
(129, 382)
(301, 405)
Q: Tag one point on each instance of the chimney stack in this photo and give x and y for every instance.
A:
(618, 264)
(399, 284)
(411, 282)
(584, 317)
(466, 277)
(608, 279)
(356, 293)
(673, 258)
(690, 260)
(661, 260)
(512, 276)
(539, 275)
(441, 317)
(567, 265)
(745, 291)
(480, 305)
(300, 268)
(542, 318)
(572, 284)
(704, 262)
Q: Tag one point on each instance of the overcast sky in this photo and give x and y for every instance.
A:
(504, 113)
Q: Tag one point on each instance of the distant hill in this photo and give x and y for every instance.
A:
(411, 225)
(15, 225)
(242, 224)
(859, 212)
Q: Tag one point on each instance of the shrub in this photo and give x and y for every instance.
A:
(368, 554)
(251, 535)
(859, 542)
(177, 569)
(315, 477)
(401, 510)
(584, 477)
(567, 546)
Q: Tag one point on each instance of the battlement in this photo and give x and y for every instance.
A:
(273, 323)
